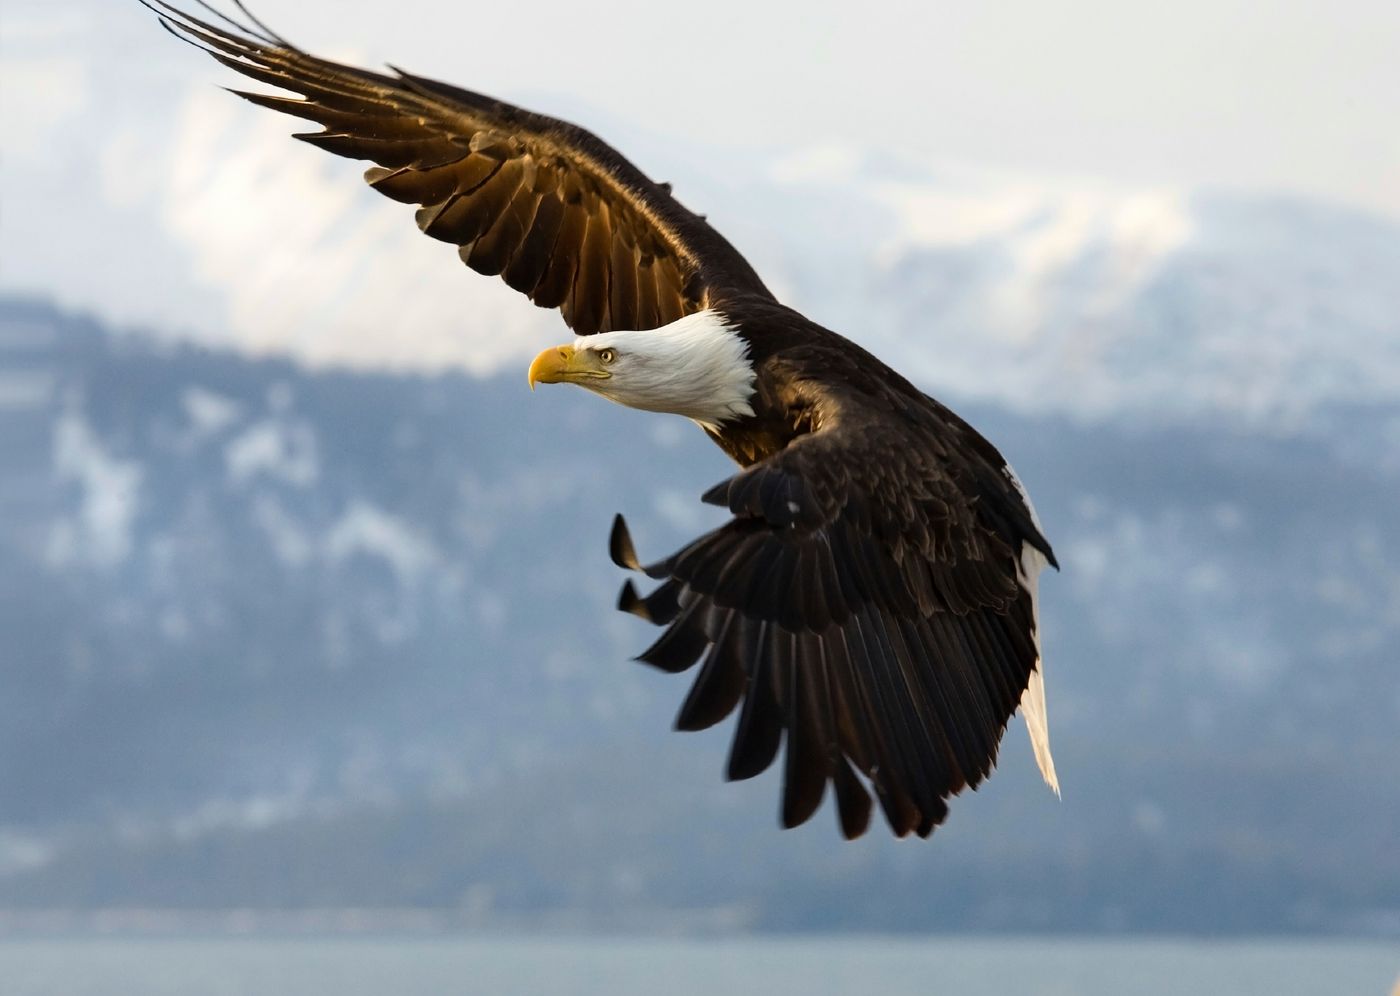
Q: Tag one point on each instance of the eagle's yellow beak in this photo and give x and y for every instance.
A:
(566, 365)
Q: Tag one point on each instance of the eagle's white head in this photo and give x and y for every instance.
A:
(697, 366)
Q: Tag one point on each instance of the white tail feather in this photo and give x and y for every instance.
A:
(1033, 709)
(1033, 698)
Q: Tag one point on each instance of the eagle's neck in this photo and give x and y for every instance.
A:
(697, 366)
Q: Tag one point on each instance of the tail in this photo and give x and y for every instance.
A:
(1033, 698)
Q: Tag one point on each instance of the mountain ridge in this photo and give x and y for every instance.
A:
(261, 614)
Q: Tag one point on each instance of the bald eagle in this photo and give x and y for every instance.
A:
(871, 603)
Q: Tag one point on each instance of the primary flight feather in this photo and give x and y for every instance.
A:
(871, 607)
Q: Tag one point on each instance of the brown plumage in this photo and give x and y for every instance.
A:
(869, 604)
(864, 598)
(544, 204)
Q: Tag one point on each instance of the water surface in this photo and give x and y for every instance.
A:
(605, 966)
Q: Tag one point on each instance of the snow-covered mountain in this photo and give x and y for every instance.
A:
(289, 638)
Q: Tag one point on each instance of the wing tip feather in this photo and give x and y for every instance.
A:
(620, 548)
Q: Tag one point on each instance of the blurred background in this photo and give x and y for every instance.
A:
(307, 613)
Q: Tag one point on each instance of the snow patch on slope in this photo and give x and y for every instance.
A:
(368, 529)
(284, 450)
(99, 533)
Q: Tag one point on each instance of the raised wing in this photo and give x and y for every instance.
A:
(866, 604)
(552, 209)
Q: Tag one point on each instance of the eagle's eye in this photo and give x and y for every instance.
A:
(607, 355)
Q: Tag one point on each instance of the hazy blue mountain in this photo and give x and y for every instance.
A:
(283, 639)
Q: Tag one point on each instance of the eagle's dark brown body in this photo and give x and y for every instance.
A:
(895, 595)
(871, 602)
